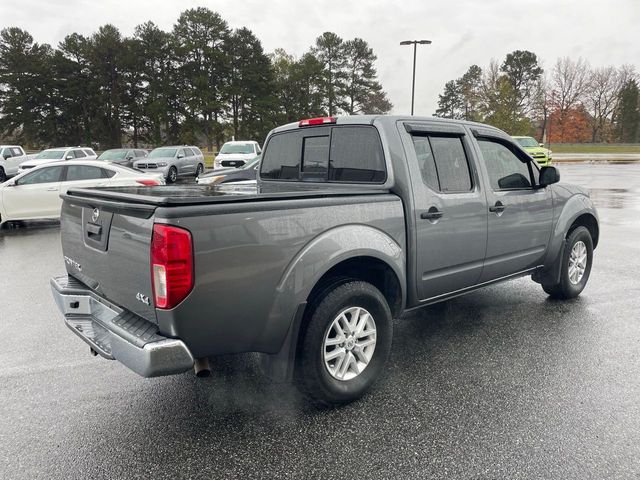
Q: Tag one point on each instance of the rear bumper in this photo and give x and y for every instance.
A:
(116, 334)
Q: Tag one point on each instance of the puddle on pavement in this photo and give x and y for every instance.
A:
(615, 197)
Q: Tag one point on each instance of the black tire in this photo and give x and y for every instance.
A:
(312, 377)
(565, 288)
(199, 170)
(172, 176)
(3, 175)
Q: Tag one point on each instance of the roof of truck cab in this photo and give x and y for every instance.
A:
(370, 119)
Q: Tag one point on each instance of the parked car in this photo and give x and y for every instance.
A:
(35, 193)
(236, 154)
(123, 156)
(540, 154)
(58, 155)
(228, 175)
(357, 220)
(173, 162)
(11, 156)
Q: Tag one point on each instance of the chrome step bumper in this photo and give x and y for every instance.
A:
(116, 334)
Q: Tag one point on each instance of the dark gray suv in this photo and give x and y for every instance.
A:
(123, 156)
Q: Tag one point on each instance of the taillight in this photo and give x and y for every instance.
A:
(316, 121)
(171, 265)
(148, 181)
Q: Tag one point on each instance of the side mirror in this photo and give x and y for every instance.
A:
(549, 175)
(69, 157)
(180, 156)
(542, 145)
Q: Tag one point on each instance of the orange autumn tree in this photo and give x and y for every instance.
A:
(569, 126)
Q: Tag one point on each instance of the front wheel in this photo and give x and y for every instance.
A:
(172, 176)
(3, 175)
(576, 266)
(345, 344)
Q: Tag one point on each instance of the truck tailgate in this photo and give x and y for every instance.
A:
(108, 249)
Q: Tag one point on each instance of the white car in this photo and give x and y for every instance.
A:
(35, 194)
(236, 154)
(11, 156)
(58, 155)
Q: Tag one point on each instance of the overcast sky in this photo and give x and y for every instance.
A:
(463, 32)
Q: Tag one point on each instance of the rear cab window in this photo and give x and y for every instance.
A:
(334, 154)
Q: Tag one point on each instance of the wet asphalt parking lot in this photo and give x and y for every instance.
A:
(501, 383)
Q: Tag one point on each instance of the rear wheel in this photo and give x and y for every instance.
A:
(3, 175)
(172, 176)
(199, 170)
(576, 266)
(345, 344)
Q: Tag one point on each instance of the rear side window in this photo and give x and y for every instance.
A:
(188, 152)
(108, 173)
(17, 151)
(443, 163)
(350, 154)
(140, 153)
(83, 172)
(89, 152)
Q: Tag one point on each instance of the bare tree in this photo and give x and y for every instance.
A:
(600, 99)
(570, 81)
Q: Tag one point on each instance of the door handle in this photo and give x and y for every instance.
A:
(497, 208)
(432, 214)
(52, 189)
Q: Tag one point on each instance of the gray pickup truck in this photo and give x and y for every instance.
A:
(356, 221)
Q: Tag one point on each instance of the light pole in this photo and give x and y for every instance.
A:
(415, 46)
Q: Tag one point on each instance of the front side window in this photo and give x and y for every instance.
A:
(506, 170)
(42, 175)
(83, 172)
(79, 154)
(6, 153)
(443, 163)
(140, 153)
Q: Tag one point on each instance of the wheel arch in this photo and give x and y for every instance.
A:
(358, 252)
(576, 212)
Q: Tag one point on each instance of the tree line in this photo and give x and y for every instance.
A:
(202, 82)
(573, 102)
